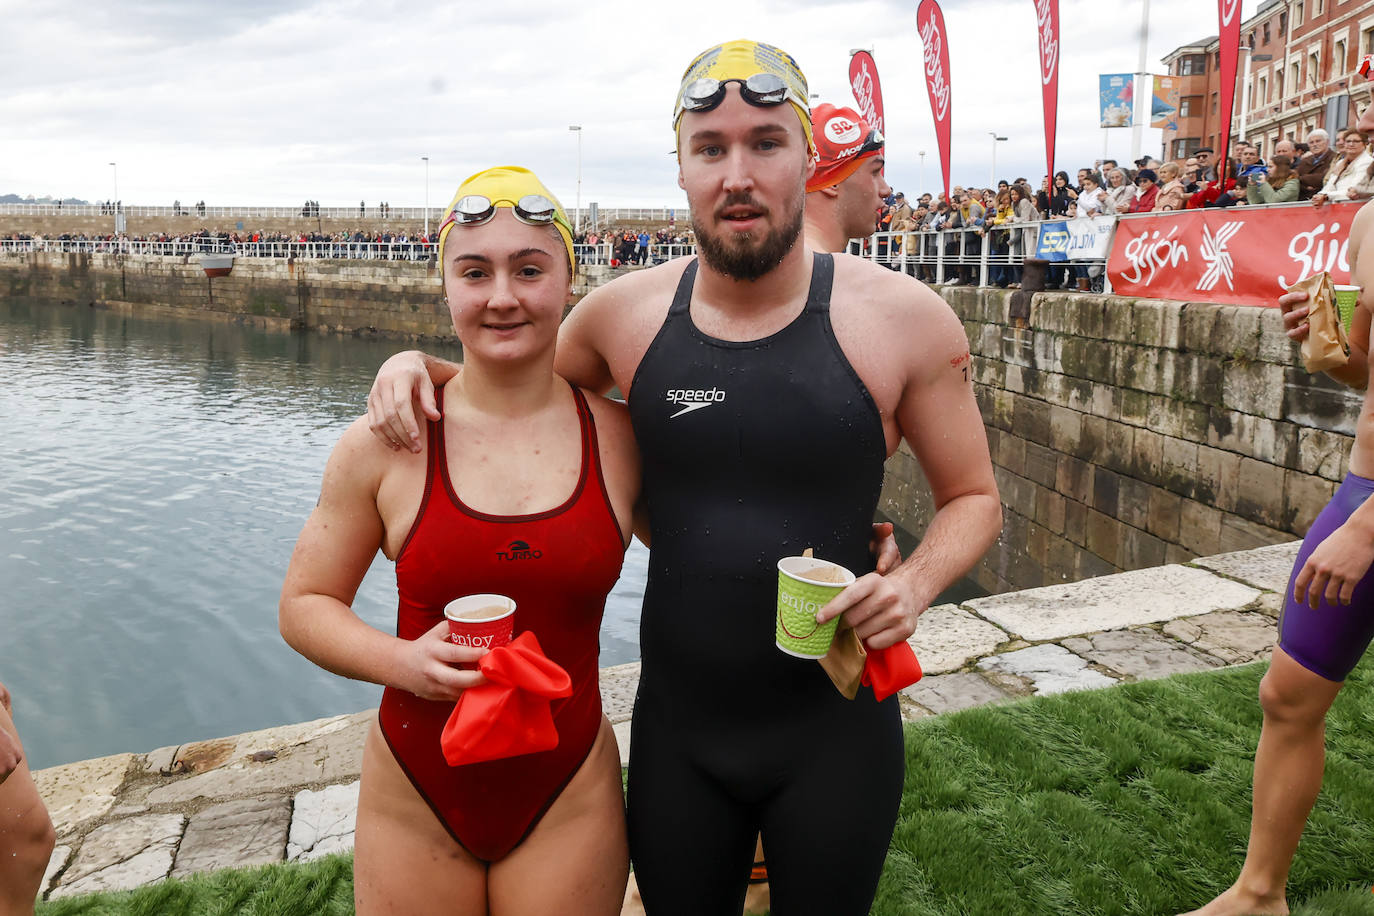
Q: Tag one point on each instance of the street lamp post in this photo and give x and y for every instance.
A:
(992, 175)
(577, 128)
(426, 160)
(114, 204)
(922, 186)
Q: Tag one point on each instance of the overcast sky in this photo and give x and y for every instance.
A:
(253, 102)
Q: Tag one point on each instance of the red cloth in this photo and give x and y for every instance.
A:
(509, 715)
(889, 670)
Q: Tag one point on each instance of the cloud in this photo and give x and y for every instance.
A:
(266, 103)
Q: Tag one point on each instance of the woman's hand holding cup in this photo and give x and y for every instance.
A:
(429, 666)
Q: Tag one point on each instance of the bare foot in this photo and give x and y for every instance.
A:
(1236, 902)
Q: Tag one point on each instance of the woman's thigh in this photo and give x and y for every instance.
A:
(576, 861)
(404, 860)
(26, 835)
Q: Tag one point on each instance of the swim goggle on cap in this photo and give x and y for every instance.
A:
(480, 196)
(843, 141)
(766, 76)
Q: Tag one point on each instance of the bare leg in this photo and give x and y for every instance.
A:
(576, 860)
(404, 860)
(26, 835)
(1288, 776)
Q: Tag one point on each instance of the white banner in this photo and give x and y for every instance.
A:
(1085, 238)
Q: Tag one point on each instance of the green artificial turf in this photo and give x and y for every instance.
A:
(1131, 801)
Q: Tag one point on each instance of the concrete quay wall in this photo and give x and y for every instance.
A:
(1129, 433)
(393, 298)
(290, 793)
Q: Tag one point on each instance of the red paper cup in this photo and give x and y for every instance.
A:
(481, 621)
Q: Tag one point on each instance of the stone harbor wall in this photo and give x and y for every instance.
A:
(393, 298)
(1128, 433)
(291, 793)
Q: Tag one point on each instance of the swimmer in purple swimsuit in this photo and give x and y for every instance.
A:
(1326, 625)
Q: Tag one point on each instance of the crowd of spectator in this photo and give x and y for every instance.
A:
(622, 246)
(1315, 170)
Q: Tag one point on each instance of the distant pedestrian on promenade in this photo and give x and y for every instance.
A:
(26, 832)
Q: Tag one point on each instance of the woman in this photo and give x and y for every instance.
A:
(26, 832)
(1173, 195)
(1348, 177)
(1061, 194)
(1121, 191)
(542, 832)
(1279, 186)
(1023, 237)
(1148, 192)
(999, 268)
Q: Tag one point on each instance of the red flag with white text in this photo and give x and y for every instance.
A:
(1228, 18)
(931, 23)
(868, 92)
(1047, 17)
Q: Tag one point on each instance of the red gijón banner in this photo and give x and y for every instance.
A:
(931, 23)
(1228, 18)
(1234, 255)
(868, 92)
(1047, 18)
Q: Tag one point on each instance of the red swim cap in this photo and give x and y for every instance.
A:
(842, 142)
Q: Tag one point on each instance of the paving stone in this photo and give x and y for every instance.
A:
(1234, 637)
(948, 692)
(1270, 603)
(323, 822)
(83, 791)
(56, 862)
(948, 637)
(324, 754)
(161, 759)
(1050, 669)
(911, 712)
(622, 740)
(1139, 654)
(1264, 567)
(123, 855)
(235, 834)
(1112, 602)
(618, 688)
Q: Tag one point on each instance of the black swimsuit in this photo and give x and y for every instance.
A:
(753, 451)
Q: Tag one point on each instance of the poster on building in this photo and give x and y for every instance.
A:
(1164, 103)
(1116, 98)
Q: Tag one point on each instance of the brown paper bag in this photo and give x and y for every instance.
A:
(1326, 346)
(845, 661)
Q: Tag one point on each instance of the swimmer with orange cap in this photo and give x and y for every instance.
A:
(767, 384)
(845, 196)
(518, 455)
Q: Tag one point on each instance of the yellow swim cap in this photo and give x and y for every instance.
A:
(504, 186)
(739, 60)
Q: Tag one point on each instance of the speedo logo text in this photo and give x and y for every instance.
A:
(691, 399)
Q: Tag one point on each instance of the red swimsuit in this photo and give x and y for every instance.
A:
(558, 566)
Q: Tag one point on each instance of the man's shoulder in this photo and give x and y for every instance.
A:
(629, 296)
(888, 294)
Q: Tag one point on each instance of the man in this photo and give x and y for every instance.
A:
(1285, 148)
(642, 246)
(814, 368)
(1251, 165)
(1312, 167)
(844, 196)
(1207, 168)
(968, 215)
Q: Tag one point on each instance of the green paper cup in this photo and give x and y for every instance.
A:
(799, 598)
(1346, 297)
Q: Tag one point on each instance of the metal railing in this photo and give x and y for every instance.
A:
(601, 253)
(969, 257)
(605, 215)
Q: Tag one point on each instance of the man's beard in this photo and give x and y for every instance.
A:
(743, 256)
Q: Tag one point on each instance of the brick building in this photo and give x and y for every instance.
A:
(1303, 60)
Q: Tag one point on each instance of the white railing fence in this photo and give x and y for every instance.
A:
(605, 215)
